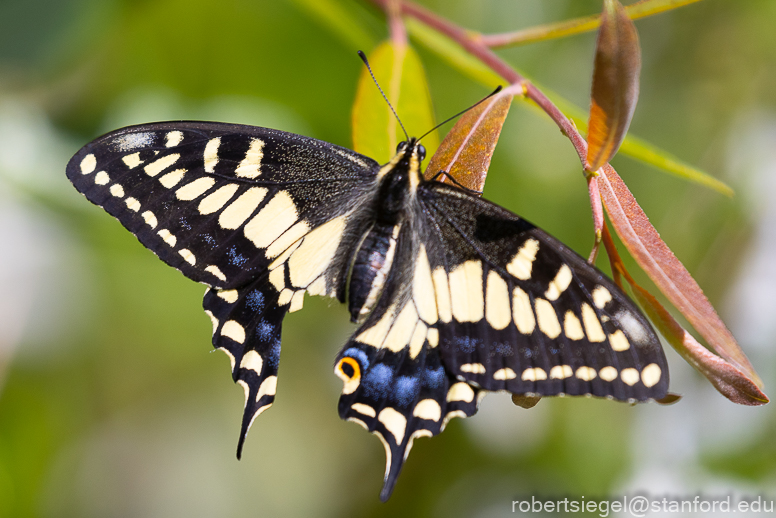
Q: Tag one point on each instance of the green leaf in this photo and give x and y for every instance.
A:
(339, 20)
(376, 132)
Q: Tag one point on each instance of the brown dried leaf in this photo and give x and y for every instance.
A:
(729, 381)
(666, 271)
(466, 151)
(525, 401)
(615, 84)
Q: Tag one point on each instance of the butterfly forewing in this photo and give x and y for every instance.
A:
(528, 315)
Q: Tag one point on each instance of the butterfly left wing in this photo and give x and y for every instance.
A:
(259, 215)
(519, 311)
(395, 383)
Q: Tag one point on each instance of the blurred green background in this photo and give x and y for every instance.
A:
(111, 402)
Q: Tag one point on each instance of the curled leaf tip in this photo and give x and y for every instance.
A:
(525, 401)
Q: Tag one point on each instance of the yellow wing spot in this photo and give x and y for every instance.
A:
(497, 310)
(629, 376)
(214, 321)
(572, 326)
(423, 288)
(234, 331)
(504, 374)
(173, 138)
(252, 361)
(442, 291)
(273, 220)
(159, 165)
(375, 335)
(88, 164)
(228, 295)
(316, 252)
(132, 161)
(473, 368)
(297, 301)
(195, 189)
(241, 209)
(167, 237)
(428, 409)
(132, 204)
(214, 201)
(211, 154)
(251, 164)
(363, 409)
(171, 179)
(650, 375)
(318, 287)
(601, 297)
(466, 291)
(187, 256)
(547, 318)
(268, 387)
(586, 373)
(394, 422)
(522, 312)
(150, 219)
(216, 272)
(285, 296)
(433, 337)
(522, 263)
(534, 374)
(561, 372)
(460, 392)
(117, 190)
(349, 371)
(102, 178)
(288, 239)
(608, 373)
(560, 283)
(418, 339)
(402, 329)
(619, 341)
(595, 332)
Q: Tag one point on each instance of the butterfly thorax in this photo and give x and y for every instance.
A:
(398, 180)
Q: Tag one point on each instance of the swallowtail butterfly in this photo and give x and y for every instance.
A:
(453, 296)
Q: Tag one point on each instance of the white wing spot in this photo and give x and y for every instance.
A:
(394, 422)
(250, 165)
(173, 138)
(601, 297)
(117, 190)
(547, 318)
(560, 283)
(268, 387)
(619, 341)
(608, 373)
(216, 272)
(522, 263)
(88, 164)
(150, 219)
(472, 368)
(534, 374)
(586, 373)
(460, 392)
(102, 178)
(560, 372)
(172, 178)
(187, 256)
(251, 360)
(595, 332)
(167, 237)
(132, 141)
(241, 209)
(572, 326)
(194, 189)
(211, 154)
(629, 376)
(504, 374)
(271, 221)
(522, 312)
(215, 201)
(363, 409)
(467, 292)
(234, 331)
(132, 161)
(132, 204)
(159, 165)
(428, 409)
(651, 375)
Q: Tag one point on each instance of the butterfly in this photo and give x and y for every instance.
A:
(453, 295)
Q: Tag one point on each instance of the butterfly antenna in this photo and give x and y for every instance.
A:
(494, 92)
(363, 58)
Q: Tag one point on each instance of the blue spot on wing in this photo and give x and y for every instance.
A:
(359, 355)
(433, 378)
(377, 381)
(235, 258)
(405, 390)
(255, 301)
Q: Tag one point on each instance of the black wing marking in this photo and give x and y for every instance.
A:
(246, 326)
(519, 311)
(219, 201)
(395, 384)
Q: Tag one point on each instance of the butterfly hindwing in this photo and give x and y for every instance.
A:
(521, 312)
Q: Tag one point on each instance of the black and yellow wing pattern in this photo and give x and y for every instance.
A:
(454, 296)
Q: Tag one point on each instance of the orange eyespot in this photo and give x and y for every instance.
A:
(348, 369)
